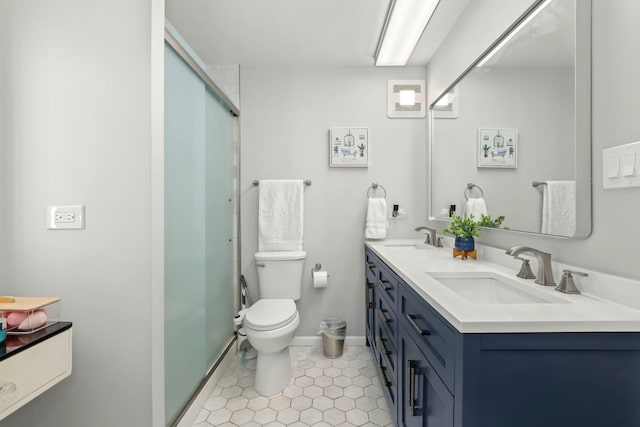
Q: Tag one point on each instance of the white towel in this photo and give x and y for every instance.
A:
(376, 223)
(476, 207)
(280, 215)
(559, 208)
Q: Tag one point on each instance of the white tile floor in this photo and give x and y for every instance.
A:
(324, 392)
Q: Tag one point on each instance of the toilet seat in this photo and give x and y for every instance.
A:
(268, 314)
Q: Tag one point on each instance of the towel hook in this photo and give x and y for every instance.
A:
(470, 187)
(374, 186)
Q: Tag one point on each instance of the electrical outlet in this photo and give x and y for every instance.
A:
(65, 217)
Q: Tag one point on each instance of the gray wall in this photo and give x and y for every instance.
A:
(537, 102)
(609, 248)
(78, 130)
(286, 115)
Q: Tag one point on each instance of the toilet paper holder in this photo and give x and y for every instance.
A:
(318, 267)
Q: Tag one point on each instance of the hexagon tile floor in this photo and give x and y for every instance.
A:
(324, 392)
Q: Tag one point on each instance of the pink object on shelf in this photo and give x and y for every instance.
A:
(33, 321)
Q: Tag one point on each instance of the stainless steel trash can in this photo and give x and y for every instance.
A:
(333, 332)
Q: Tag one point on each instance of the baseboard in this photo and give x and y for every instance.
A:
(317, 341)
(198, 403)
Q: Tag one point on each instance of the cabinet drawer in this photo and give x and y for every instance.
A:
(33, 371)
(385, 317)
(388, 283)
(434, 338)
(389, 386)
(386, 347)
(371, 266)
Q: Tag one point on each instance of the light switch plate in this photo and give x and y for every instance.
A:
(619, 166)
(65, 217)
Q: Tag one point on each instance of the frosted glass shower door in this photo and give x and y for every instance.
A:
(220, 137)
(199, 231)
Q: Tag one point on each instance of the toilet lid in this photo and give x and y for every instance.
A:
(269, 314)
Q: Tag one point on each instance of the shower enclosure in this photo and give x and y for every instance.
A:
(200, 234)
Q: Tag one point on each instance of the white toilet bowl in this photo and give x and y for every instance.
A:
(270, 325)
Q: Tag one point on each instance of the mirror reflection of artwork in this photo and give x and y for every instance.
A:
(349, 147)
(497, 148)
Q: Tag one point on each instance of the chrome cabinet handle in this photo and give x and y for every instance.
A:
(384, 348)
(369, 296)
(382, 315)
(414, 371)
(412, 386)
(415, 326)
(385, 381)
(386, 285)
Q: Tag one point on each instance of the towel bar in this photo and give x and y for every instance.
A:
(374, 186)
(307, 182)
(470, 187)
(538, 183)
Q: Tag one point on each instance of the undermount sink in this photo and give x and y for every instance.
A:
(408, 245)
(491, 288)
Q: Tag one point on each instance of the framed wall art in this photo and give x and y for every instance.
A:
(349, 147)
(497, 148)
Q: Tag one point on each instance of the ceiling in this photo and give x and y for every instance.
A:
(297, 32)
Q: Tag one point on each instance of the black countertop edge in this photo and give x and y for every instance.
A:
(14, 344)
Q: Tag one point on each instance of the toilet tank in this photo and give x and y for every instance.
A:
(280, 273)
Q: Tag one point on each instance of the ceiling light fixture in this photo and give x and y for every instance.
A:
(405, 23)
(513, 32)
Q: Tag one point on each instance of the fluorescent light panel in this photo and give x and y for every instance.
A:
(515, 31)
(405, 24)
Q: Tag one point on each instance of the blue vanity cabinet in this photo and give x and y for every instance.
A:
(436, 376)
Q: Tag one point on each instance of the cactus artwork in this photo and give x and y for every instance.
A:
(361, 147)
(486, 148)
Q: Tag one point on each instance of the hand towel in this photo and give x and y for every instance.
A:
(559, 208)
(376, 222)
(280, 215)
(476, 207)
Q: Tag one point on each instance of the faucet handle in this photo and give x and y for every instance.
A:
(568, 273)
(525, 271)
(567, 285)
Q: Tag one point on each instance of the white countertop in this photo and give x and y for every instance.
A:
(571, 313)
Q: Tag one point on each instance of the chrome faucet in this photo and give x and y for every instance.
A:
(430, 237)
(545, 274)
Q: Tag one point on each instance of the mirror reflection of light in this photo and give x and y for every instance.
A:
(515, 31)
(407, 97)
(444, 101)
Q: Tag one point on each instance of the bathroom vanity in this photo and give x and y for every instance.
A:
(31, 364)
(467, 344)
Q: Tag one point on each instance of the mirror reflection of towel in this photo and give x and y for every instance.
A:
(559, 208)
(476, 207)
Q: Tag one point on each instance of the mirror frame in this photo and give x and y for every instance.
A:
(583, 143)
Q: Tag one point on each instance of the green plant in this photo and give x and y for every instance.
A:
(463, 228)
(486, 221)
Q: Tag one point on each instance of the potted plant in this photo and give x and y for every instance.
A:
(485, 148)
(464, 230)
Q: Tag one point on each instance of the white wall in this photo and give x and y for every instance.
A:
(609, 248)
(78, 111)
(286, 115)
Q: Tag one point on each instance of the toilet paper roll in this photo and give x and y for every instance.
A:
(320, 279)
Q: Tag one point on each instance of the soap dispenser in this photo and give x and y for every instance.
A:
(567, 285)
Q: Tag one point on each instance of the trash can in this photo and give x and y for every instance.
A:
(333, 331)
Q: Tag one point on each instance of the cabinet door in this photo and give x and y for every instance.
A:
(424, 400)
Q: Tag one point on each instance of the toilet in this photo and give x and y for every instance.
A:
(271, 322)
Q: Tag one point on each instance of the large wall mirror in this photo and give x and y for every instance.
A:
(515, 128)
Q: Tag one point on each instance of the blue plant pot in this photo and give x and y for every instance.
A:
(466, 245)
